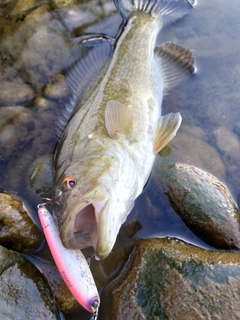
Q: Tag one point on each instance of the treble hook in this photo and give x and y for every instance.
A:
(51, 201)
(94, 315)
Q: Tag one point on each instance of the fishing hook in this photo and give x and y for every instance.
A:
(94, 315)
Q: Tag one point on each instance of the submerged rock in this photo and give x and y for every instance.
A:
(13, 120)
(17, 229)
(236, 128)
(40, 176)
(23, 294)
(57, 88)
(63, 297)
(229, 146)
(190, 146)
(15, 92)
(204, 204)
(168, 279)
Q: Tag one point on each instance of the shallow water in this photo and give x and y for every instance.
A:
(35, 43)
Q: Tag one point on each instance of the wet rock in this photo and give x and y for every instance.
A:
(25, 134)
(227, 141)
(229, 146)
(42, 59)
(15, 92)
(40, 176)
(236, 128)
(34, 43)
(57, 88)
(101, 16)
(23, 294)
(64, 3)
(168, 279)
(17, 229)
(63, 297)
(204, 204)
(13, 121)
(190, 146)
(104, 271)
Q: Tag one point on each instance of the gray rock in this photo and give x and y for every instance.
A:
(63, 297)
(237, 128)
(228, 144)
(168, 279)
(23, 294)
(15, 92)
(57, 88)
(204, 204)
(17, 229)
(190, 146)
(12, 121)
(40, 176)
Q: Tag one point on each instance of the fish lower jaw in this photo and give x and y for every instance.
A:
(103, 254)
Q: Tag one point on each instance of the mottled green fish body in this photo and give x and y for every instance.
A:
(108, 148)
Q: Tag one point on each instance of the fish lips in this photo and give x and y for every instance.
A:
(90, 222)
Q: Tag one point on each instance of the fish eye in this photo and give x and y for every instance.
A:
(69, 182)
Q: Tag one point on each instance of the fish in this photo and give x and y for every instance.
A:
(107, 149)
(71, 264)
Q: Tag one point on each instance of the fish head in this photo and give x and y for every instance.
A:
(94, 197)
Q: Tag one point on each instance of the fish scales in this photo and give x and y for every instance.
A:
(109, 146)
(143, 85)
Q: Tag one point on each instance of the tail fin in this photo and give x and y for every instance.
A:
(170, 9)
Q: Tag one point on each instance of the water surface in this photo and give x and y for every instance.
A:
(35, 44)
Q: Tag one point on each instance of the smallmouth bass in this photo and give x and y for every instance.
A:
(108, 148)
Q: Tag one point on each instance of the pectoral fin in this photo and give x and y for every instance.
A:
(118, 119)
(167, 128)
(177, 62)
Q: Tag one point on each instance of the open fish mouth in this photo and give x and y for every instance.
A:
(80, 230)
(89, 222)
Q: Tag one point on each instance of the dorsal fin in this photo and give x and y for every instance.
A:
(167, 128)
(118, 119)
(177, 62)
(87, 60)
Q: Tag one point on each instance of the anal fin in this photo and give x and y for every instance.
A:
(167, 128)
(118, 119)
(177, 62)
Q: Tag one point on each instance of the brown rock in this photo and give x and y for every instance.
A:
(168, 279)
(17, 229)
(204, 204)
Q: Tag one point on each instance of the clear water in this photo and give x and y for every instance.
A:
(35, 42)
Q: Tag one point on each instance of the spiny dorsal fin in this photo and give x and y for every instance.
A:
(87, 60)
(118, 119)
(167, 128)
(177, 62)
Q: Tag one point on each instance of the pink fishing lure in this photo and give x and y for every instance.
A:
(71, 264)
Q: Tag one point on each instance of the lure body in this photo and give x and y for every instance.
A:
(71, 264)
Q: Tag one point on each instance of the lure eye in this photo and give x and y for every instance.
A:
(69, 183)
(94, 306)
